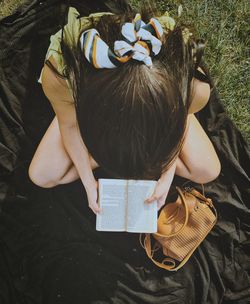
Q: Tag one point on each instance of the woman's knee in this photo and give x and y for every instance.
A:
(39, 179)
(208, 173)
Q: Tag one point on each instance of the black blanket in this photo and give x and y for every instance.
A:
(49, 249)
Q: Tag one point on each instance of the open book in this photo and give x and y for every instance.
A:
(123, 206)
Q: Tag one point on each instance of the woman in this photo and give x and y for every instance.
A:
(124, 93)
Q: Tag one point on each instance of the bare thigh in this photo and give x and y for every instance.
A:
(51, 162)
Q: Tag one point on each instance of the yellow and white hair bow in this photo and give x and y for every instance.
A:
(141, 41)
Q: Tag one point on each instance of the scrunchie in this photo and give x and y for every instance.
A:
(141, 41)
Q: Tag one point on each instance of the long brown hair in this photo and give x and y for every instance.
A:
(131, 118)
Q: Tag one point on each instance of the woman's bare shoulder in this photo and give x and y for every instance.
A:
(199, 95)
(55, 87)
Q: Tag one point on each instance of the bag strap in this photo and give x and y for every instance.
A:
(150, 252)
(184, 202)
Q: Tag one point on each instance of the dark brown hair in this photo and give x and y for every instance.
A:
(131, 118)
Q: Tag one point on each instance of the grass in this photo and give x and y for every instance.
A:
(224, 26)
(7, 6)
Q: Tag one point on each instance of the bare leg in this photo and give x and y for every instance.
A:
(51, 164)
(197, 160)
(69, 176)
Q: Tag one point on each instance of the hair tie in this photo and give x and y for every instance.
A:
(141, 41)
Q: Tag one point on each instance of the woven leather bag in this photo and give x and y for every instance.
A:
(182, 226)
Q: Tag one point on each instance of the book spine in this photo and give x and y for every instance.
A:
(126, 208)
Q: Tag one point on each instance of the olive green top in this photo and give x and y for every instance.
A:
(71, 34)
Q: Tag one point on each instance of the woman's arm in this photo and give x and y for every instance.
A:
(162, 187)
(79, 155)
(58, 94)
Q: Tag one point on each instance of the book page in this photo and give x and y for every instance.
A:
(141, 216)
(112, 200)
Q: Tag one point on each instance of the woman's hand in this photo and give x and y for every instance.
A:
(92, 188)
(162, 187)
(92, 194)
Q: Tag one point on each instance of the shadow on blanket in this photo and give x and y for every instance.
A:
(50, 251)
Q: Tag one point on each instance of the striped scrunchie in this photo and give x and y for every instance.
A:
(141, 41)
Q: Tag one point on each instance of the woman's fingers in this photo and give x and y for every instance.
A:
(151, 199)
(94, 206)
(160, 201)
(92, 194)
(158, 195)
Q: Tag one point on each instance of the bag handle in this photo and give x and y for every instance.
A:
(208, 201)
(147, 240)
(184, 202)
